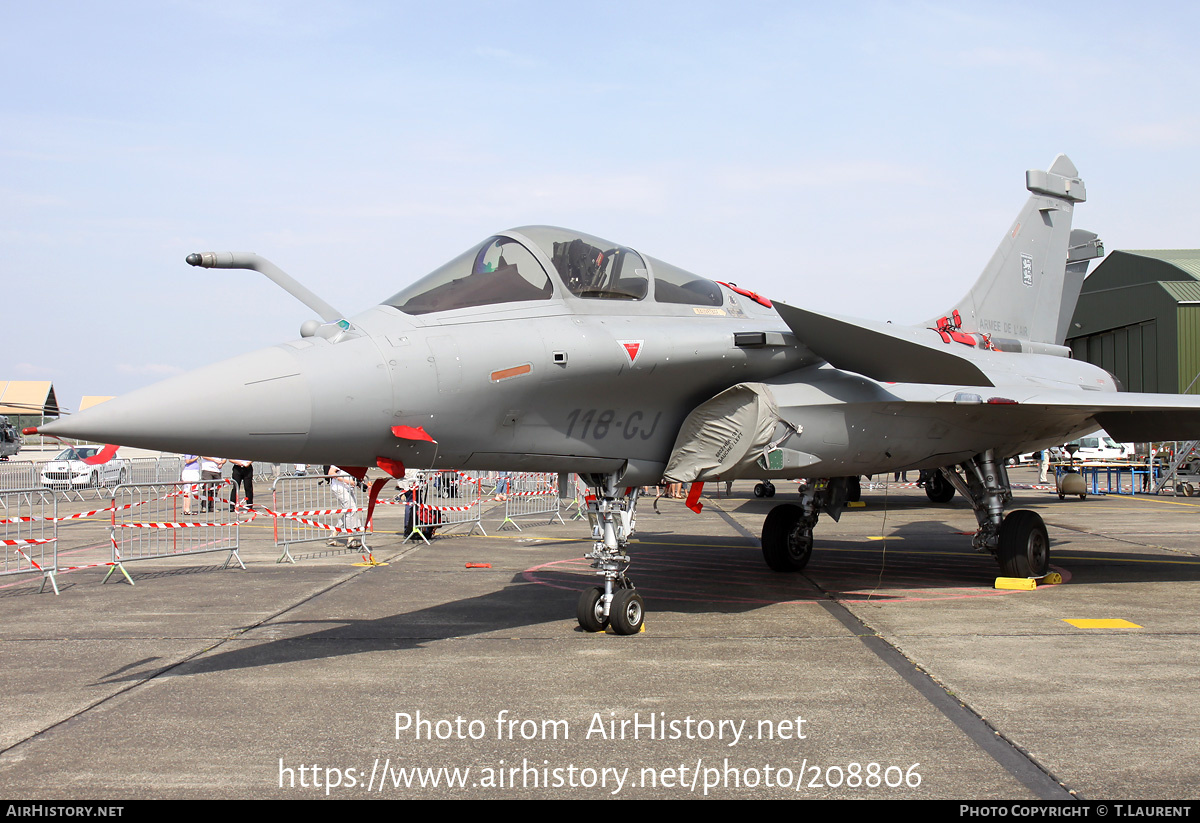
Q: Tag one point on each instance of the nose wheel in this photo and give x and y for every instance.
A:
(590, 610)
(626, 612)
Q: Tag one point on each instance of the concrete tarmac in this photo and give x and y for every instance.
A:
(889, 668)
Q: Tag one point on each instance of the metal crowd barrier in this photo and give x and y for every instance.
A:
(156, 520)
(441, 500)
(18, 474)
(527, 494)
(155, 469)
(29, 521)
(82, 530)
(307, 509)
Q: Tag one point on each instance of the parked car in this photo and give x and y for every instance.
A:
(1099, 446)
(1095, 446)
(70, 469)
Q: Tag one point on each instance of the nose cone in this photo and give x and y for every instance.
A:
(256, 406)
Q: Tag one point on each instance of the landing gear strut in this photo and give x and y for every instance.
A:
(616, 603)
(1018, 541)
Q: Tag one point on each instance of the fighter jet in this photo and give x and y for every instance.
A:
(545, 349)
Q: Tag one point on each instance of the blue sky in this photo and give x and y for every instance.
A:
(859, 158)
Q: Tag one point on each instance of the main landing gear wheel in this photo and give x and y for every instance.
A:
(764, 489)
(853, 489)
(938, 488)
(627, 612)
(787, 540)
(590, 610)
(1023, 547)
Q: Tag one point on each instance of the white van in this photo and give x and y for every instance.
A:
(1099, 446)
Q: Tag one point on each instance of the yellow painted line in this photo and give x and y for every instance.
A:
(531, 538)
(1112, 623)
(1091, 509)
(857, 504)
(1149, 498)
(1060, 556)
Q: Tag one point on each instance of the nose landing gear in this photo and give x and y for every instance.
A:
(616, 604)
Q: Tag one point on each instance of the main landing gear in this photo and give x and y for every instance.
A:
(938, 488)
(764, 489)
(787, 535)
(1018, 541)
(616, 604)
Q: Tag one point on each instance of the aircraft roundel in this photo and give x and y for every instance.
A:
(632, 349)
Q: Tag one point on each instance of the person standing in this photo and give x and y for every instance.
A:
(210, 469)
(342, 486)
(243, 475)
(190, 474)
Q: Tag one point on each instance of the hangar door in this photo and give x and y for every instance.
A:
(1129, 352)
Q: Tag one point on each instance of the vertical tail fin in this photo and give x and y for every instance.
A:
(1021, 295)
(1084, 247)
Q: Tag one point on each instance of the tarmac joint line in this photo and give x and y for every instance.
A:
(1011, 757)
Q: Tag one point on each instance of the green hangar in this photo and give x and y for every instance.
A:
(1138, 316)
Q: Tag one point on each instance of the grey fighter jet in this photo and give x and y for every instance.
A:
(545, 349)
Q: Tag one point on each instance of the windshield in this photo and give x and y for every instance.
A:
(76, 453)
(498, 270)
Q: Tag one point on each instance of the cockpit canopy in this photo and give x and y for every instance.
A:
(504, 269)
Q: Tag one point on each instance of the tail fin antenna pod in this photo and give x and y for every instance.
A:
(1021, 293)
